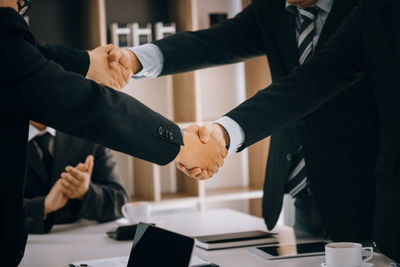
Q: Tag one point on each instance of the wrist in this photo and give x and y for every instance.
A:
(46, 209)
(135, 63)
(224, 133)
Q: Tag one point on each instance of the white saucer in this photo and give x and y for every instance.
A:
(365, 264)
(153, 220)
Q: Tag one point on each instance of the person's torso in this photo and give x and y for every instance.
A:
(340, 139)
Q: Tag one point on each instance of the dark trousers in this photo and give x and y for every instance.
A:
(307, 217)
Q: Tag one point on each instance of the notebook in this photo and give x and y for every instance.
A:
(240, 239)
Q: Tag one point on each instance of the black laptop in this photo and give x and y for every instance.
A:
(154, 247)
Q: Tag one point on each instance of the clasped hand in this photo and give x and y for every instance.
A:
(112, 66)
(203, 152)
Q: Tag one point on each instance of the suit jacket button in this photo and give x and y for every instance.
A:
(301, 123)
(171, 136)
(289, 157)
(160, 130)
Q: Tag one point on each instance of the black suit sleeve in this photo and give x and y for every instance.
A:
(41, 90)
(106, 194)
(232, 41)
(337, 67)
(69, 58)
(34, 213)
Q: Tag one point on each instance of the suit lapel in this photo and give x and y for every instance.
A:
(340, 9)
(285, 33)
(36, 164)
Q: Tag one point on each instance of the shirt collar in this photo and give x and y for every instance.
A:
(324, 5)
(33, 132)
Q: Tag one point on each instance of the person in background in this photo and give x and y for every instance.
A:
(331, 151)
(69, 178)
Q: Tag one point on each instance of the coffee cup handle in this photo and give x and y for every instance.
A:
(371, 251)
(123, 209)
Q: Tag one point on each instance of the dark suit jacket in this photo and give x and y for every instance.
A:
(102, 202)
(367, 44)
(340, 139)
(34, 87)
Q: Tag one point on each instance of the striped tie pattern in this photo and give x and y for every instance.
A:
(306, 28)
(297, 179)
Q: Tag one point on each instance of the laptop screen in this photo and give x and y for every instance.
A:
(156, 247)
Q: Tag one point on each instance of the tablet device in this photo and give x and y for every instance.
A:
(290, 250)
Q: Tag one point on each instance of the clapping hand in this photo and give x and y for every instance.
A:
(198, 159)
(73, 184)
(75, 181)
(55, 199)
(107, 73)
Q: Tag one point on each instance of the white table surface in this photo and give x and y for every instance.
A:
(88, 240)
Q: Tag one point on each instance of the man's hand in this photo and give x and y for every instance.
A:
(202, 159)
(75, 181)
(207, 131)
(124, 58)
(112, 75)
(55, 199)
(9, 3)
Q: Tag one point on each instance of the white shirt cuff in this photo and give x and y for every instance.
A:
(151, 58)
(235, 132)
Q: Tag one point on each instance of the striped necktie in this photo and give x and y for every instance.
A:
(297, 179)
(306, 29)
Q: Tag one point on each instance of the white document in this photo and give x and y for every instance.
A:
(123, 262)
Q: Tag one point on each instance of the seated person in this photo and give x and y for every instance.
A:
(69, 178)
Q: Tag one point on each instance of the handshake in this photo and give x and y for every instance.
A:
(203, 152)
(204, 147)
(112, 66)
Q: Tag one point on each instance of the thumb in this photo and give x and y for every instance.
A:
(89, 163)
(205, 133)
(114, 56)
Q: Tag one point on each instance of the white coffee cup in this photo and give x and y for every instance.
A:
(345, 254)
(136, 212)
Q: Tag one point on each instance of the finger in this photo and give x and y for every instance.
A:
(180, 166)
(205, 133)
(220, 162)
(115, 85)
(117, 77)
(126, 74)
(108, 48)
(113, 57)
(224, 153)
(187, 173)
(70, 179)
(89, 163)
(202, 175)
(66, 191)
(194, 172)
(65, 184)
(121, 79)
(81, 167)
(75, 173)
